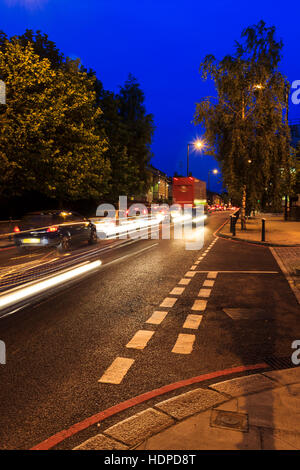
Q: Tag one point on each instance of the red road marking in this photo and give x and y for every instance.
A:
(62, 435)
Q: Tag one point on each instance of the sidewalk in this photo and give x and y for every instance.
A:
(254, 412)
(278, 231)
(284, 238)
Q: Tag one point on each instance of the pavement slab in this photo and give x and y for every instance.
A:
(139, 427)
(244, 385)
(279, 440)
(189, 403)
(197, 433)
(101, 442)
(286, 376)
(278, 409)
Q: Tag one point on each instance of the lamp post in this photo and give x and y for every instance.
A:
(198, 144)
(214, 172)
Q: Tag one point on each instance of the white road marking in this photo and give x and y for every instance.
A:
(184, 344)
(196, 262)
(190, 274)
(192, 321)
(116, 371)
(193, 267)
(184, 281)
(140, 339)
(168, 302)
(208, 283)
(199, 305)
(212, 275)
(201, 258)
(239, 272)
(157, 317)
(204, 292)
(177, 290)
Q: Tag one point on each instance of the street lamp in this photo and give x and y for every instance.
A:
(214, 172)
(198, 144)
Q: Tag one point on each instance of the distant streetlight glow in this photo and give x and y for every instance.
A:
(214, 172)
(198, 144)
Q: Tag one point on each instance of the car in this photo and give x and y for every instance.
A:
(60, 229)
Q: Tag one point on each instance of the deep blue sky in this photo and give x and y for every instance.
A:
(161, 42)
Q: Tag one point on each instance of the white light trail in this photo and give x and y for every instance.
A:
(25, 292)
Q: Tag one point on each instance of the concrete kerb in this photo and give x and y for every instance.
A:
(132, 432)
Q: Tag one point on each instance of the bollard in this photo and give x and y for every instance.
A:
(233, 225)
(263, 230)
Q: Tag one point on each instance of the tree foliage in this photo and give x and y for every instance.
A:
(246, 126)
(47, 130)
(61, 133)
(129, 130)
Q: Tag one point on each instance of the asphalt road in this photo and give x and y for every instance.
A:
(59, 349)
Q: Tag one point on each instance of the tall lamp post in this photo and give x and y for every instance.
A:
(198, 144)
(213, 172)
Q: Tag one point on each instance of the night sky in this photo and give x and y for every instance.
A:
(161, 42)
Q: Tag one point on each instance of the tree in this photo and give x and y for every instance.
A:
(247, 127)
(139, 129)
(129, 130)
(48, 141)
(42, 46)
(124, 170)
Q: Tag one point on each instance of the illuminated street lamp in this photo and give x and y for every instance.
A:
(198, 144)
(214, 172)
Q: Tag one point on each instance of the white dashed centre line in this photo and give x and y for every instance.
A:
(190, 274)
(140, 339)
(193, 267)
(204, 293)
(184, 344)
(177, 291)
(168, 302)
(199, 305)
(157, 317)
(184, 281)
(116, 371)
(208, 283)
(192, 321)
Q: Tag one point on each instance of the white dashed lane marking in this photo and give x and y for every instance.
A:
(116, 371)
(184, 344)
(192, 321)
(212, 275)
(140, 339)
(190, 274)
(204, 293)
(184, 281)
(199, 305)
(208, 283)
(193, 267)
(168, 302)
(157, 317)
(177, 291)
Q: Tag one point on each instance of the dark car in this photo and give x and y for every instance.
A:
(58, 228)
